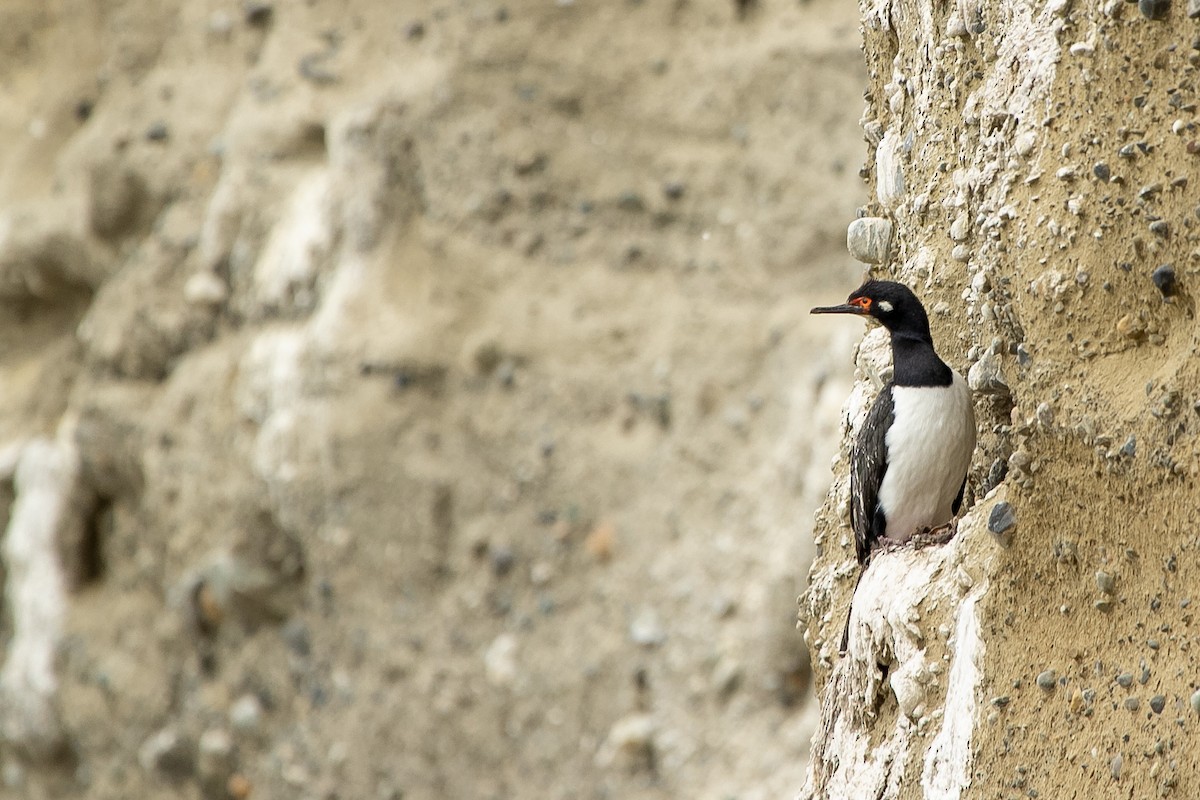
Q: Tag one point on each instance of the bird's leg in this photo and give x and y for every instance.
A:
(929, 537)
(883, 545)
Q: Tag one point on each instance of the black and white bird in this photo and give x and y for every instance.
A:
(908, 468)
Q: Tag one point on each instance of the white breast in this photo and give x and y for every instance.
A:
(929, 447)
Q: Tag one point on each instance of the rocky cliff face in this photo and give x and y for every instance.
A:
(1039, 164)
(416, 399)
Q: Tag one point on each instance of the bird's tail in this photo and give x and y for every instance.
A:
(849, 613)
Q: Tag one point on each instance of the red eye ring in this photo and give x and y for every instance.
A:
(862, 302)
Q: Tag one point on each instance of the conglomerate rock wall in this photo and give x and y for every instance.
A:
(1039, 163)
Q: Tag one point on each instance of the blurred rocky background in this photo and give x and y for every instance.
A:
(417, 400)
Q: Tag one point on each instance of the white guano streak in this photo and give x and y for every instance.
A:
(948, 760)
(45, 478)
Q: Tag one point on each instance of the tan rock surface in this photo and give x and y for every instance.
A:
(424, 393)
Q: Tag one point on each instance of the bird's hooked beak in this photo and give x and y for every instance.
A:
(844, 308)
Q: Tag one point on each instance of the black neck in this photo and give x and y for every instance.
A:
(916, 363)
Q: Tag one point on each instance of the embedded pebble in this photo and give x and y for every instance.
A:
(869, 239)
(1131, 326)
(1102, 171)
(205, 289)
(1164, 279)
(1196, 701)
(646, 629)
(960, 227)
(986, 377)
(214, 760)
(1104, 582)
(1025, 142)
(1133, 703)
(632, 735)
(158, 132)
(245, 714)
(1129, 449)
(258, 12)
(1158, 703)
(1045, 679)
(296, 636)
(1114, 766)
(502, 559)
(169, 753)
(1045, 415)
(1082, 49)
(1002, 519)
(1154, 9)
(500, 660)
(1160, 228)
(1193, 9)
(889, 179)
(1125, 680)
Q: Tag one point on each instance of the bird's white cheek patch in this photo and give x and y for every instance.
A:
(885, 306)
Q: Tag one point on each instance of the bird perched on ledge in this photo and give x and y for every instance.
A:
(908, 468)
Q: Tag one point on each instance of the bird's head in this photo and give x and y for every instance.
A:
(892, 304)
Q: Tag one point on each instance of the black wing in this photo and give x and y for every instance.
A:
(868, 464)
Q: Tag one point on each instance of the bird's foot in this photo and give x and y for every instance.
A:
(884, 545)
(928, 537)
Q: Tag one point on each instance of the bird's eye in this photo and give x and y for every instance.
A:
(862, 302)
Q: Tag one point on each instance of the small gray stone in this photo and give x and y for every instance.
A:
(1132, 703)
(1045, 415)
(1158, 703)
(168, 753)
(1045, 679)
(986, 377)
(1125, 679)
(1104, 582)
(245, 715)
(502, 558)
(258, 12)
(1102, 171)
(1002, 519)
(673, 190)
(631, 201)
(158, 132)
(214, 761)
(646, 629)
(1114, 766)
(1164, 279)
(869, 239)
(1195, 701)
(295, 634)
(1154, 9)
(1193, 9)
(1129, 449)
